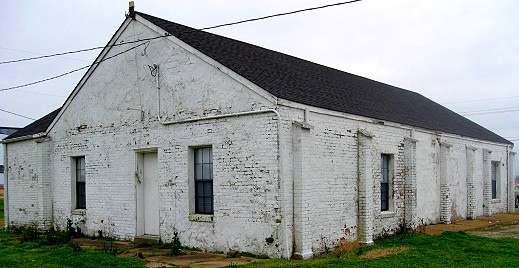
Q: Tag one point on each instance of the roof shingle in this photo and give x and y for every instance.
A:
(305, 82)
(35, 127)
(316, 85)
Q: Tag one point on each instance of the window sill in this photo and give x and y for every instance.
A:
(80, 212)
(494, 201)
(201, 217)
(387, 214)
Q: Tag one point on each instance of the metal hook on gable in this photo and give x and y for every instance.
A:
(153, 69)
(144, 51)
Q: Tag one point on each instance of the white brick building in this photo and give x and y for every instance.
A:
(236, 147)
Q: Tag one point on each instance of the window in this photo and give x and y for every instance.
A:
(203, 175)
(494, 175)
(80, 182)
(386, 173)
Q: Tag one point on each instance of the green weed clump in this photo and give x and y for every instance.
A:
(176, 246)
(75, 246)
(56, 236)
(110, 248)
(30, 234)
(238, 254)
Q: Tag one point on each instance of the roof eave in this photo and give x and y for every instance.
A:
(23, 138)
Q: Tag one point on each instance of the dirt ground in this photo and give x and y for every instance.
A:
(159, 257)
(498, 225)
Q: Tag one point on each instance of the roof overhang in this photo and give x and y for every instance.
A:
(23, 138)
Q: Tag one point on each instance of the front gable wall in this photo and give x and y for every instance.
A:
(123, 87)
(113, 118)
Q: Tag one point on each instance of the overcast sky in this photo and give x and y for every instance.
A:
(462, 54)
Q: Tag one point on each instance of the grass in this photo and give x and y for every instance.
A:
(450, 249)
(14, 253)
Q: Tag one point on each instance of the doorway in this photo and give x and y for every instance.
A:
(147, 194)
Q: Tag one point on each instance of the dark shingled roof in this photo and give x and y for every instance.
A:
(312, 84)
(316, 85)
(35, 127)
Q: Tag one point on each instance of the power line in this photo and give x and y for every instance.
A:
(30, 52)
(200, 29)
(496, 112)
(5, 111)
(489, 110)
(152, 38)
(280, 14)
(83, 50)
(39, 93)
(478, 100)
(492, 111)
(73, 71)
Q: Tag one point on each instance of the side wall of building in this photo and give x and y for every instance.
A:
(437, 174)
(28, 185)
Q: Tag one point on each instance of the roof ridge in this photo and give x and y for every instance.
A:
(309, 83)
(271, 50)
(313, 84)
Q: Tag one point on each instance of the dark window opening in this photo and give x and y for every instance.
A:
(203, 175)
(384, 182)
(494, 175)
(80, 183)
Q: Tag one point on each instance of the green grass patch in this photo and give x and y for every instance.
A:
(450, 249)
(14, 253)
(19, 255)
(35, 252)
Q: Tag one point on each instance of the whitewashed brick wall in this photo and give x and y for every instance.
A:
(334, 203)
(114, 116)
(28, 195)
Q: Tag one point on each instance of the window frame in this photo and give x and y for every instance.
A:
(495, 179)
(79, 182)
(203, 178)
(386, 179)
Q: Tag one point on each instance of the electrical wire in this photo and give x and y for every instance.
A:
(152, 38)
(496, 109)
(5, 111)
(36, 53)
(478, 100)
(39, 93)
(491, 111)
(280, 14)
(73, 71)
(200, 29)
(84, 50)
